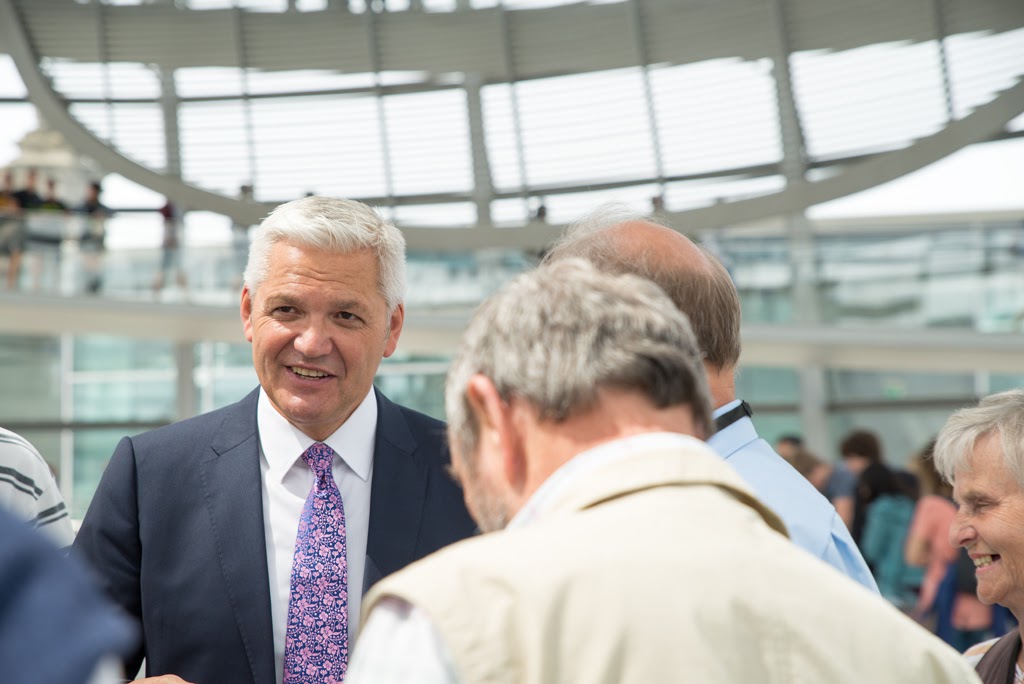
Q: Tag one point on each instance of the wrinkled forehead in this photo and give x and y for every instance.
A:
(984, 471)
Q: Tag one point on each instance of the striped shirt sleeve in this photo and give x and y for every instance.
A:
(29, 490)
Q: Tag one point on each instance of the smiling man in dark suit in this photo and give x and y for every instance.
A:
(243, 539)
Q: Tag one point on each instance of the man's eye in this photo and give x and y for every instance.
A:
(348, 316)
(285, 309)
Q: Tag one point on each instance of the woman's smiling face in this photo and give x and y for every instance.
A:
(990, 524)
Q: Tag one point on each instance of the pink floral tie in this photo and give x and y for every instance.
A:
(316, 645)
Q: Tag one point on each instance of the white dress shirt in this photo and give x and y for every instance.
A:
(287, 481)
(401, 643)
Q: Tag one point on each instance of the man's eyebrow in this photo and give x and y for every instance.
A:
(347, 304)
(278, 300)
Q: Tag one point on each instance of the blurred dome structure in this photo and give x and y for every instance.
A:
(463, 114)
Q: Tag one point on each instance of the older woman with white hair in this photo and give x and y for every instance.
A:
(981, 451)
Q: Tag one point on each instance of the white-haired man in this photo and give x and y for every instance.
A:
(631, 552)
(243, 539)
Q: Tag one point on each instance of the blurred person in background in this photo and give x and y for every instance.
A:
(50, 201)
(170, 248)
(47, 229)
(29, 491)
(807, 464)
(618, 240)
(885, 532)
(981, 451)
(858, 450)
(12, 230)
(55, 628)
(619, 547)
(27, 195)
(928, 545)
(787, 444)
(92, 240)
(240, 236)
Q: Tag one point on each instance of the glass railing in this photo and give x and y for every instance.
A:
(950, 275)
(61, 254)
(968, 276)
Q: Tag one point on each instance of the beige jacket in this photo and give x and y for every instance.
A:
(661, 567)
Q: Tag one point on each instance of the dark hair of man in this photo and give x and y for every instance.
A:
(861, 443)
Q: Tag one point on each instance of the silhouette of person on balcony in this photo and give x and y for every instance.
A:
(46, 232)
(170, 256)
(12, 230)
(93, 238)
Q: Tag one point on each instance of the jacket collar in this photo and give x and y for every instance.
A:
(696, 465)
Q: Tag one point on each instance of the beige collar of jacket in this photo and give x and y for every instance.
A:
(667, 467)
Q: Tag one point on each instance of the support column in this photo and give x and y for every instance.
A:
(483, 188)
(805, 294)
(169, 108)
(636, 20)
(184, 358)
(243, 61)
(806, 302)
(376, 62)
(813, 416)
(940, 40)
(517, 127)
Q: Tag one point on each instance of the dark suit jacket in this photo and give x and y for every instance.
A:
(175, 533)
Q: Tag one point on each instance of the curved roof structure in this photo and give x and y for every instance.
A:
(472, 117)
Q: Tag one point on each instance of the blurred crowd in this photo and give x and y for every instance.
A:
(34, 223)
(900, 520)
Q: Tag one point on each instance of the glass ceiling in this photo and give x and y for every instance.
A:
(439, 149)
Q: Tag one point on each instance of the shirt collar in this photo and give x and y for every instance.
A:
(725, 408)
(731, 439)
(283, 444)
(589, 460)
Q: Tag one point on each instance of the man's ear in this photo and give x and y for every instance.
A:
(499, 430)
(246, 312)
(486, 404)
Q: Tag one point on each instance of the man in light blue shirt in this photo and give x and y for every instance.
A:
(617, 240)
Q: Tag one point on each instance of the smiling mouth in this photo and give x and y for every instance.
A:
(308, 372)
(985, 561)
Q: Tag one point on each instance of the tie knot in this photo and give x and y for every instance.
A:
(319, 457)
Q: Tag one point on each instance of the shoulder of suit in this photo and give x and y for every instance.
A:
(412, 416)
(204, 427)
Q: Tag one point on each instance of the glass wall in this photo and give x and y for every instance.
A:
(89, 392)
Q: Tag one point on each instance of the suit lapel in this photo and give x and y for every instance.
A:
(232, 495)
(396, 495)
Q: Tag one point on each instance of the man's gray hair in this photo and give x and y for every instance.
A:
(1001, 414)
(555, 336)
(332, 225)
(704, 292)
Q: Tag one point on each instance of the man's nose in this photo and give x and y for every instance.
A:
(313, 341)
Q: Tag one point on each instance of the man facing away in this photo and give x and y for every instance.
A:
(631, 552)
(618, 241)
(213, 532)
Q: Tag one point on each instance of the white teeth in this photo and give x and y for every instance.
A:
(307, 373)
(982, 561)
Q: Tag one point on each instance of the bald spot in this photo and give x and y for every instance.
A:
(663, 254)
(661, 248)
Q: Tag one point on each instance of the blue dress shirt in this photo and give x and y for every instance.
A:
(812, 521)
